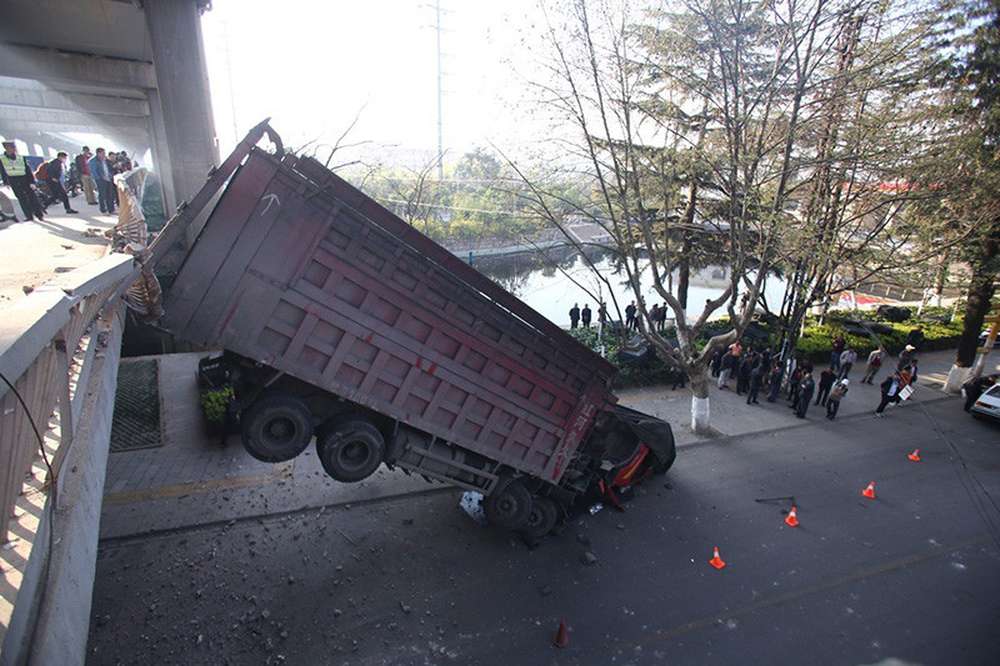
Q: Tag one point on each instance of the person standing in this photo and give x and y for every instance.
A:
(837, 348)
(726, 369)
(717, 362)
(756, 377)
(574, 315)
(602, 314)
(630, 316)
(15, 172)
(874, 364)
(847, 359)
(905, 357)
(838, 393)
(661, 318)
(806, 389)
(826, 379)
(585, 315)
(743, 374)
(891, 387)
(101, 172)
(83, 167)
(777, 373)
(54, 177)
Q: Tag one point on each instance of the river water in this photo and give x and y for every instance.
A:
(552, 291)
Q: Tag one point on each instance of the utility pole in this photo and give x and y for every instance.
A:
(440, 76)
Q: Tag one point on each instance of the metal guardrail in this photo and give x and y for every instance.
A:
(48, 341)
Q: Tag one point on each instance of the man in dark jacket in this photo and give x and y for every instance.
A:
(743, 375)
(630, 316)
(53, 180)
(826, 379)
(777, 374)
(574, 315)
(756, 377)
(585, 315)
(806, 389)
(15, 172)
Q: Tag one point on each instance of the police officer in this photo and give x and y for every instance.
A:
(14, 171)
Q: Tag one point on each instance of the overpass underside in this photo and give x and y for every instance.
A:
(133, 72)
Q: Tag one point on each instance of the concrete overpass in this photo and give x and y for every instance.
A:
(133, 71)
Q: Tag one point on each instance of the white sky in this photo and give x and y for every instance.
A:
(313, 64)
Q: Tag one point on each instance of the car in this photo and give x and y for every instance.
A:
(982, 340)
(988, 403)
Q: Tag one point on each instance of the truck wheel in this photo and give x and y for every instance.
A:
(542, 518)
(276, 428)
(351, 451)
(509, 506)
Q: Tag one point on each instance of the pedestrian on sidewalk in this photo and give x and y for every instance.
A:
(743, 375)
(574, 315)
(726, 369)
(717, 362)
(86, 180)
(101, 171)
(847, 360)
(793, 386)
(891, 386)
(54, 177)
(15, 172)
(585, 315)
(630, 316)
(874, 365)
(838, 393)
(906, 357)
(836, 349)
(805, 393)
(756, 377)
(777, 373)
(826, 379)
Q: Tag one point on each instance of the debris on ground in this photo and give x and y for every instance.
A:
(472, 504)
(588, 558)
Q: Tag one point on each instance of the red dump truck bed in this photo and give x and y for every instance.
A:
(297, 270)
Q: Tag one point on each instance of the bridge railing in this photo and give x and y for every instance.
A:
(48, 341)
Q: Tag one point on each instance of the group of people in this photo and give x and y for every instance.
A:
(95, 172)
(757, 371)
(657, 316)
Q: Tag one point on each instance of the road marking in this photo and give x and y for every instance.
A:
(283, 471)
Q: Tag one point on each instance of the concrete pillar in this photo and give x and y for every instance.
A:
(181, 108)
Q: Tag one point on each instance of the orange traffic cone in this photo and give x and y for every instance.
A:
(869, 491)
(915, 456)
(792, 519)
(562, 635)
(716, 561)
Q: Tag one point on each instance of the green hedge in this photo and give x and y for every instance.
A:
(815, 344)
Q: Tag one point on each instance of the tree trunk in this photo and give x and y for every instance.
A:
(700, 414)
(684, 272)
(976, 308)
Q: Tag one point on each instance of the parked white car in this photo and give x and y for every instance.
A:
(988, 403)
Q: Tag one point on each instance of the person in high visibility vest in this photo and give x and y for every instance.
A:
(14, 171)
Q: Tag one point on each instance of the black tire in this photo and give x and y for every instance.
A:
(509, 506)
(351, 450)
(661, 465)
(276, 427)
(542, 518)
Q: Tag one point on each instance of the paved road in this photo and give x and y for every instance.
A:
(913, 575)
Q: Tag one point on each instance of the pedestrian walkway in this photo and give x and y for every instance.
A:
(730, 415)
(34, 252)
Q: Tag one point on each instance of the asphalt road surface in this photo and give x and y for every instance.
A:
(912, 576)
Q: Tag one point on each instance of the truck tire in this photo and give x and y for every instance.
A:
(351, 450)
(542, 518)
(276, 428)
(509, 506)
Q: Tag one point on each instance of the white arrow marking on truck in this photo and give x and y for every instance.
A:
(270, 198)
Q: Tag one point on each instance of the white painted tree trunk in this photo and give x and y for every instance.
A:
(700, 412)
(956, 377)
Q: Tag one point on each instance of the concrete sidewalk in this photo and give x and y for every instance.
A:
(731, 415)
(34, 252)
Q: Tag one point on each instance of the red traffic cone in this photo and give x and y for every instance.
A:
(915, 456)
(562, 635)
(869, 491)
(716, 561)
(792, 519)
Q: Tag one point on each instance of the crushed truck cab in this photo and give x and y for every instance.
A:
(343, 324)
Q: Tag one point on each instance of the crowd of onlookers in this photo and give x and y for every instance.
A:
(56, 179)
(759, 372)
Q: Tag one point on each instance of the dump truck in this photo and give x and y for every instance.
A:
(343, 324)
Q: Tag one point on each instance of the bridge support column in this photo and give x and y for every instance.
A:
(181, 117)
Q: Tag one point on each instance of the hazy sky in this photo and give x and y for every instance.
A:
(312, 65)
